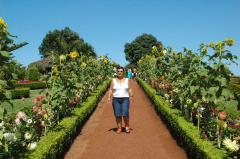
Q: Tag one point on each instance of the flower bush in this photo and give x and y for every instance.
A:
(195, 87)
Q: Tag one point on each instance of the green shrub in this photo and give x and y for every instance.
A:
(32, 85)
(33, 74)
(18, 93)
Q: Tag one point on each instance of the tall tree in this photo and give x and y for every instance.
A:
(60, 42)
(86, 49)
(141, 46)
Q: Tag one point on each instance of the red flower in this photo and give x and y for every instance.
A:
(160, 78)
(72, 101)
(38, 99)
(174, 93)
(163, 103)
(214, 111)
(156, 86)
(168, 81)
(195, 98)
(187, 117)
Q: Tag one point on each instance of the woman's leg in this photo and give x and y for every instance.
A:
(126, 120)
(125, 110)
(119, 121)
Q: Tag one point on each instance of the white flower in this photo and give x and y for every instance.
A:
(29, 121)
(185, 106)
(166, 95)
(179, 72)
(10, 137)
(202, 110)
(167, 101)
(164, 52)
(27, 136)
(24, 118)
(18, 121)
(1, 124)
(3, 128)
(171, 100)
(15, 129)
(232, 146)
(32, 146)
(21, 114)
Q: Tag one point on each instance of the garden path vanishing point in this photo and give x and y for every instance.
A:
(149, 137)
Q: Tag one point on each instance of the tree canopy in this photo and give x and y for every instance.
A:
(63, 42)
(141, 46)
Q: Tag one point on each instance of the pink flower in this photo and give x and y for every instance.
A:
(222, 115)
(89, 89)
(44, 111)
(23, 99)
(35, 108)
(72, 101)
(34, 101)
(40, 103)
(42, 96)
(204, 135)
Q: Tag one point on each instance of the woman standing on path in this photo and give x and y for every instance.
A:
(120, 89)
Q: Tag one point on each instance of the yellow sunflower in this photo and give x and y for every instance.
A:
(56, 69)
(211, 44)
(230, 41)
(205, 50)
(73, 54)
(83, 65)
(4, 27)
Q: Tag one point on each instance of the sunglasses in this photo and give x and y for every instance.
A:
(120, 71)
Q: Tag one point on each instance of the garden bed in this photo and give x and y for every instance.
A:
(183, 131)
(58, 141)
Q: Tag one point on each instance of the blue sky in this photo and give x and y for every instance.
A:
(108, 25)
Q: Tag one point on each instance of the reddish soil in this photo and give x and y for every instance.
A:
(149, 137)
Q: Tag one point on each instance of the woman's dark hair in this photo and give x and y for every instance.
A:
(120, 68)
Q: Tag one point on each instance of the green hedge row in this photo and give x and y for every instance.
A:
(183, 131)
(32, 85)
(18, 93)
(58, 141)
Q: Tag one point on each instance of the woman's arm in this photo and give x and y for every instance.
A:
(130, 91)
(110, 92)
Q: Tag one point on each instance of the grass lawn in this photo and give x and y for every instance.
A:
(17, 104)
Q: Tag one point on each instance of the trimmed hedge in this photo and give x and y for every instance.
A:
(33, 74)
(31, 85)
(183, 131)
(58, 141)
(18, 93)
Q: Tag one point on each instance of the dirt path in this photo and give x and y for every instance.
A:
(149, 138)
